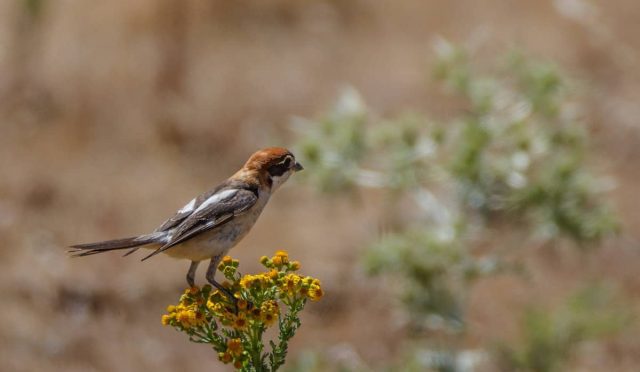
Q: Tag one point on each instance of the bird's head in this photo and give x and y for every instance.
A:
(272, 166)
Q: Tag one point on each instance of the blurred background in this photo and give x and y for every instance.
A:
(511, 247)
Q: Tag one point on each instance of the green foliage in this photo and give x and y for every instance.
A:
(520, 150)
(436, 271)
(288, 327)
(414, 359)
(513, 160)
(316, 361)
(440, 360)
(345, 150)
(550, 338)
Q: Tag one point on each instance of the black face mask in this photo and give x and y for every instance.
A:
(279, 169)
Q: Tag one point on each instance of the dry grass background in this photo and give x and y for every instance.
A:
(113, 114)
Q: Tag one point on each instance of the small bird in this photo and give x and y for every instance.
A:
(211, 224)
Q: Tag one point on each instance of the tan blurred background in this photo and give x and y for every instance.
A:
(115, 113)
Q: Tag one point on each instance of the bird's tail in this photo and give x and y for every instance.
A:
(136, 242)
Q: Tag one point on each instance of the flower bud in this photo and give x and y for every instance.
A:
(264, 260)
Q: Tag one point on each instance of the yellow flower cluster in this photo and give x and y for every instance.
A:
(188, 313)
(279, 261)
(255, 306)
(234, 353)
(293, 284)
(269, 312)
(259, 281)
(228, 266)
(245, 313)
(290, 283)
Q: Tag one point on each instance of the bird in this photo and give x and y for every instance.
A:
(208, 226)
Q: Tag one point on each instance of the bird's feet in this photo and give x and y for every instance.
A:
(228, 293)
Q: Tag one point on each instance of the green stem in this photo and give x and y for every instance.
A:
(256, 347)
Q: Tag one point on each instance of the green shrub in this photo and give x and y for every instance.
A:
(513, 161)
(550, 338)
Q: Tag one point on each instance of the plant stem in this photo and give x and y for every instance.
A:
(256, 342)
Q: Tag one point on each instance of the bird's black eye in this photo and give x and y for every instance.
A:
(287, 162)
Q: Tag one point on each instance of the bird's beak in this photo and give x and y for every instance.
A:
(297, 167)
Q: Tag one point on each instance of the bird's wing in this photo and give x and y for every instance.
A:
(180, 216)
(186, 211)
(221, 207)
(189, 208)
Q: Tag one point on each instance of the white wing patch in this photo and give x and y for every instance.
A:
(189, 207)
(216, 198)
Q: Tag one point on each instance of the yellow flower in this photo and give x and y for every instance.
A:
(280, 258)
(227, 260)
(254, 281)
(273, 274)
(171, 308)
(225, 357)
(277, 261)
(165, 319)
(200, 318)
(269, 312)
(315, 293)
(240, 321)
(246, 281)
(234, 346)
(216, 307)
(290, 283)
(266, 279)
(269, 318)
(242, 304)
(187, 318)
(295, 265)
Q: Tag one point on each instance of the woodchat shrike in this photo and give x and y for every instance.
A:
(211, 224)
